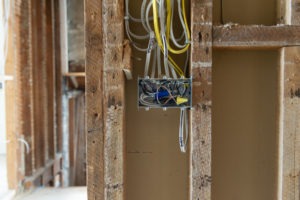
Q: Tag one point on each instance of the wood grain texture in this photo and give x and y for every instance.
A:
(58, 76)
(201, 63)
(38, 49)
(23, 57)
(105, 98)
(114, 98)
(50, 69)
(255, 36)
(289, 126)
(94, 99)
(13, 158)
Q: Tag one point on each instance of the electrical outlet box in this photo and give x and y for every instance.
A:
(164, 93)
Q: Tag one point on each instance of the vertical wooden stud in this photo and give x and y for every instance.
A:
(201, 71)
(105, 98)
(94, 99)
(24, 113)
(289, 102)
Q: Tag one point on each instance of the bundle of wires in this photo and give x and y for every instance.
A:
(158, 26)
(159, 31)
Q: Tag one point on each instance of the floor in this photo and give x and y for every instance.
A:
(5, 194)
(74, 193)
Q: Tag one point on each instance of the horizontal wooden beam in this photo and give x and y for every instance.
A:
(45, 174)
(255, 36)
(74, 74)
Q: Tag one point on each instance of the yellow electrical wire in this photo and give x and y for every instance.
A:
(158, 38)
(169, 15)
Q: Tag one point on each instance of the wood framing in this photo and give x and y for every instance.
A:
(105, 98)
(289, 126)
(105, 93)
(201, 71)
(34, 133)
(255, 36)
(23, 79)
(13, 160)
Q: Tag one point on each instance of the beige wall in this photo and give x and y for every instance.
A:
(244, 124)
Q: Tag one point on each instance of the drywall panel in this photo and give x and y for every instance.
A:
(245, 11)
(155, 168)
(244, 125)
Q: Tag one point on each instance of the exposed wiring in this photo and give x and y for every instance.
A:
(158, 31)
(164, 33)
(183, 128)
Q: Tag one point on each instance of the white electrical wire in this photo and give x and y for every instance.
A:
(143, 17)
(147, 15)
(149, 51)
(174, 40)
(155, 60)
(183, 128)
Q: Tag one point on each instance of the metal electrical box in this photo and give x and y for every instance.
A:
(164, 93)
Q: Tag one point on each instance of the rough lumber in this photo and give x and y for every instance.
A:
(51, 78)
(77, 139)
(127, 61)
(10, 98)
(255, 36)
(105, 98)
(201, 71)
(94, 99)
(58, 76)
(24, 114)
(44, 175)
(114, 99)
(75, 74)
(80, 161)
(289, 126)
(38, 50)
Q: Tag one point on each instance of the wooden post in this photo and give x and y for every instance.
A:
(289, 126)
(201, 63)
(13, 160)
(105, 98)
(52, 133)
(24, 114)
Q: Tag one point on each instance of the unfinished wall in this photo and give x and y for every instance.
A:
(244, 111)
(155, 168)
(244, 124)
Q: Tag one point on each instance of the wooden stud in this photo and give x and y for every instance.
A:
(105, 98)
(10, 115)
(24, 114)
(201, 63)
(94, 99)
(255, 36)
(80, 161)
(114, 99)
(58, 76)
(289, 102)
(38, 97)
(51, 79)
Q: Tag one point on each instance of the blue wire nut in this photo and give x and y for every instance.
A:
(162, 94)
